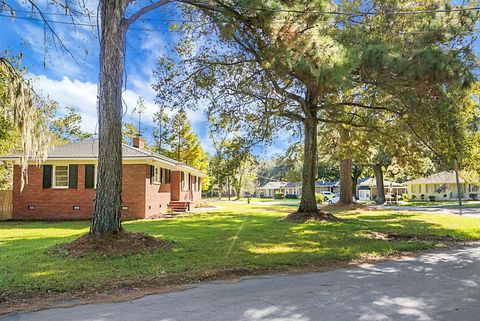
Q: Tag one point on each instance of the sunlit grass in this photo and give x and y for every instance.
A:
(236, 236)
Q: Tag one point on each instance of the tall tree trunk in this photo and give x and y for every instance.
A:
(378, 172)
(106, 217)
(308, 204)
(346, 184)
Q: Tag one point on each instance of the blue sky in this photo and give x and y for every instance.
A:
(74, 83)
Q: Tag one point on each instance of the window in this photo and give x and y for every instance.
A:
(60, 176)
(160, 175)
(194, 182)
(182, 180)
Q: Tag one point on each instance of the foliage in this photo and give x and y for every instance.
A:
(295, 65)
(24, 115)
(185, 145)
(320, 198)
(67, 128)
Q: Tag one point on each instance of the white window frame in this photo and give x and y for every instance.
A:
(54, 180)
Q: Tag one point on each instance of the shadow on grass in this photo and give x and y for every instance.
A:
(252, 238)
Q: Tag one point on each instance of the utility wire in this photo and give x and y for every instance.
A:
(359, 13)
(94, 25)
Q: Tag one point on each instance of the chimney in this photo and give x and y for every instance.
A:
(138, 142)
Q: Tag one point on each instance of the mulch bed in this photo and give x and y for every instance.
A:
(301, 217)
(122, 243)
(340, 206)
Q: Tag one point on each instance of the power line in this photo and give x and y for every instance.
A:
(354, 14)
(94, 25)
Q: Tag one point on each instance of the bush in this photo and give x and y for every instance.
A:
(473, 197)
(279, 196)
(405, 197)
(422, 197)
(320, 198)
(291, 196)
(445, 196)
(414, 197)
(431, 198)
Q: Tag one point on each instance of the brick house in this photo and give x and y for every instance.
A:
(63, 187)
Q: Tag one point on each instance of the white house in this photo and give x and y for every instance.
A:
(367, 189)
(271, 188)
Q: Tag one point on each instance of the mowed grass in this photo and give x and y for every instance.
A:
(238, 236)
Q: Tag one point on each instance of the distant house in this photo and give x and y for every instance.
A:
(441, 186)
(271, 188)
(367, 189)
(293, 190)
(63, 187)
(327, 186)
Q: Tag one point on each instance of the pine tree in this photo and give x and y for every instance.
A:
(184, 143)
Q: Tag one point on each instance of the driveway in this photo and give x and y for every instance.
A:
(473, 212)
(436, 286)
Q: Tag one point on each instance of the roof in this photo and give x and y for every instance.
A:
(293, 185)
(327, 183)
(274, 185)
(370, 181)
(88, 149)
(446, 177)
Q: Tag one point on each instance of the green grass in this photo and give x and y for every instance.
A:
(238, 236)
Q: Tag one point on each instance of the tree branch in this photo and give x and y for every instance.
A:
(144, 10)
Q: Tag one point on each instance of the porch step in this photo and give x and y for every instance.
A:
(176, 206)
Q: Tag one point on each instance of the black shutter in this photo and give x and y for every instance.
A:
(152, 173)
(72, 176)
(47, 176)
(161, 176)
(89, 176)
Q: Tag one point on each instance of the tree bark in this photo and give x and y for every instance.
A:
(106, 217)
(356, 172)
(378, 172)
(346, 183)
(308, 204)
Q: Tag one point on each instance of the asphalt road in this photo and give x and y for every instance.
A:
(436, 286)
(472, 212)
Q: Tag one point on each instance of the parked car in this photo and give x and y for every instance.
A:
(328, 195)
(336, 198)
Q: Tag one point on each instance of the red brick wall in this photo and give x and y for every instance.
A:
(58, 203)
(157, 196)
(133, 190)
(50, 203)
(178, 194)
(142, 198)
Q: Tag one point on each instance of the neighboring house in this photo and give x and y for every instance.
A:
(441, 186)
(63, 187)
(327, 186)
(293, 190)
(271, 188)
(367, 189)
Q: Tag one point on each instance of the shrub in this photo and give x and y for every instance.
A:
(473, 197)
(445, 196)
(279, 195)
(320, 198)
(422, 197)
(431, 198)
(405, 197)
(291, 196)
(414, 197)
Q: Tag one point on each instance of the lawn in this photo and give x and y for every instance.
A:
(239, 237)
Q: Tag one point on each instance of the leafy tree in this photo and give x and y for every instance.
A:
(292, 62)
(67, 128)
(23, 117)
(162, 132)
